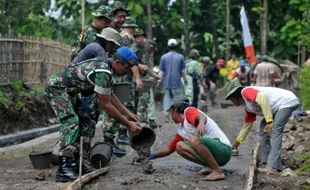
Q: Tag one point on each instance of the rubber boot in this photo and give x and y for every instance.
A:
(117, 151)
(154, 125)
(67, 169)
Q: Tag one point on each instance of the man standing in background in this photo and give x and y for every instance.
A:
(172, 68)
(232, 65)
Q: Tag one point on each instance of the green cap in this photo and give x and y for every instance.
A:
(231, 87)
(181, 99)
(130, 23)
(118, 5)
(111, 35)
(194, 53)
(151, 42)
(103, 10)
(139, 32)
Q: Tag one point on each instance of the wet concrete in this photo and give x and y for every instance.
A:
(174, 172)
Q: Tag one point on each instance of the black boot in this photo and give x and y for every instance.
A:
(67, 169)
(154, 125)
(86, 165)
(117, 151)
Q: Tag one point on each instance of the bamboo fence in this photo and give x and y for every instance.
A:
(31, 59)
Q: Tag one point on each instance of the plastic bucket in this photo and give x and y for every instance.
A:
(122, 91)
(145, 139)
(41, 160)
(100, 154)
(147, 85)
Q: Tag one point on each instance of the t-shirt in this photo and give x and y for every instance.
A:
(189, 128)
(278, 99)
(172, 64)
(90, 51)
(211, 74)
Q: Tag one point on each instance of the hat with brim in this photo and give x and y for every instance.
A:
(118, 5)
(181, 99)
(231, 87)
(130, 23)
(103, 11)
(111, 35)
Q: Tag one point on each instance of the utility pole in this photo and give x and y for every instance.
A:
(227, 30)
(83, 13)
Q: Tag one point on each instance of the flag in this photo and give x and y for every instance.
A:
(246, 35)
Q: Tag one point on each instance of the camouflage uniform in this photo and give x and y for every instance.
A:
(194, 69)
(118, 5)
(128, 39)
(88, 34)
(78, 117)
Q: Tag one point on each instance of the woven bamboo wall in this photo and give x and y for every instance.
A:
(31, 59)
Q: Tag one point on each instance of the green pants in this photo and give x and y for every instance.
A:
(221, 152)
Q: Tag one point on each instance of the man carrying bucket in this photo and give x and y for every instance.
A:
(199, 139)
(87, 78)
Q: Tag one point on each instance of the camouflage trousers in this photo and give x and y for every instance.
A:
(146, 106)
(77, 115)
(111, 127)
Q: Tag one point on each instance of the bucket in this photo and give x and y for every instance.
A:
(145, 139)
(122, 91)
(41, 160)
(100, 154)
(147, 85)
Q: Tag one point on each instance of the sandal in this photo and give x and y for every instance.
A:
(217, 177)
(234, 152)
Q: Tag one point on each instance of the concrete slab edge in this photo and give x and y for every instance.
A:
(252, 170)
(20, 137)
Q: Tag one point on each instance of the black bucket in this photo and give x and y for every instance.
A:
(122, 91)
(100, 154)
(147, 85)
(146, 139)
(41, 160)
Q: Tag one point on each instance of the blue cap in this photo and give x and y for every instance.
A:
(242, 63)
(128, 55)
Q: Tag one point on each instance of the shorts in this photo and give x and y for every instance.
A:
(221, 152)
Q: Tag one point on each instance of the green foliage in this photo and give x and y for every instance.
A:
(304, 87)
(19, 104)
(4, 100)
(17, 85)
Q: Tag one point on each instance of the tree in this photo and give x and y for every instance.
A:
(227, 29)
(263, 27)
(186, 33)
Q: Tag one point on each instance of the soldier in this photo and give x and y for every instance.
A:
(107, 41)
(146, 103)
(195, 71)
(87, 78)
(102, 20)
(128, 30)
(119, 15)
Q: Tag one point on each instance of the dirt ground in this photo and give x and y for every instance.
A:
(172, 172)
(296, 142)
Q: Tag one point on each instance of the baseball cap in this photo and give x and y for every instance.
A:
(242, 63)
(220, 62)
(128, 55)
(178, 100)
(172, 42)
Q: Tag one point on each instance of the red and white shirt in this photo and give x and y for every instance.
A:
(278, 99)
(189, 128)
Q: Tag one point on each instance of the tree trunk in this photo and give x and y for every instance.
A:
(83, 14)
(186, 33)
(227, 30)
(150, 30)
(214, 30)
(263, 27)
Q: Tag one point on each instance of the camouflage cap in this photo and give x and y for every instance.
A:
(194, 53)
(118, 5)
(130, 23)
(103, 10)
(139, 32)
(111, 35)
(231, 87)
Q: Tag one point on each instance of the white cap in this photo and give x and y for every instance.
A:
(172, 42)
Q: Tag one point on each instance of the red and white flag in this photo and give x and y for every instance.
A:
(246, 35)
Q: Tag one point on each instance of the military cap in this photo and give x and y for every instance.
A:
(104, 11)
(118, 5)
(194, 53)
(139, 32)
(111, 35)
(128, 55)
(130, 23)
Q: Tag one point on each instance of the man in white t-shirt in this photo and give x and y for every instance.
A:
(276, 106)
(199, 139)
